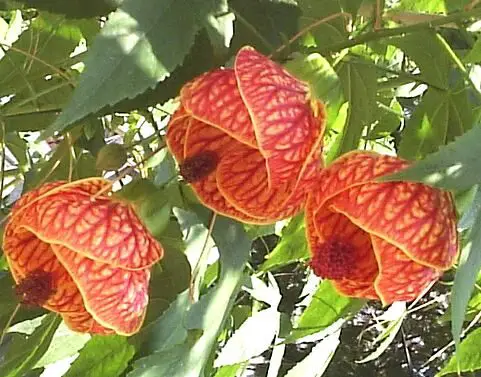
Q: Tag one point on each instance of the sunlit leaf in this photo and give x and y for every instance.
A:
(105, 356)
(326, 307)
(22, 352)
(454, 167)
(467, 355)
(251, 339)
(316, 363)
(142, 42)
(292, 246)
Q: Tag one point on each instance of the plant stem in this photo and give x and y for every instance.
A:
(391, 32)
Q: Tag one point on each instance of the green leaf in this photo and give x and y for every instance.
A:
(358, 78)
(326, 307)
(424, 48)
(454, 167)
(65, 343)
(47, 43)
(291, 248)
(467, 355)
(322, 78)
(474, 55)
(317, 361)
(22, 352)
(388, 115)
(437, 120)
(326, 33)
(208, 315)
(468, 268)
(142, 42)
(75, 8)
(253, 338)
(106, 356)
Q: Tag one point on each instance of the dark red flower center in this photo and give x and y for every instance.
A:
(36, 288)
(199, 166)
(333, 259)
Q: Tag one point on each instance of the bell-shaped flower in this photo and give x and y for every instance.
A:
(386, 241)
(249, 139)
(77, 251)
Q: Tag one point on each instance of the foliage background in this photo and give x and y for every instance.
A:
(399, 77)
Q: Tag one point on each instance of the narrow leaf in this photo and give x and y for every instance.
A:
(251, 339)
(316, 363)
(326, 307)
(454, 167)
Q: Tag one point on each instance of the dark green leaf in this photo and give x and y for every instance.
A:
(454, 167)
(326, 307)
(358, 78)
(106, 356)
(474, 55)
(424, 48)
(291, 248)
(75, 8)
(23, 351)
(142, 42)
(437, 120)
(467, 355)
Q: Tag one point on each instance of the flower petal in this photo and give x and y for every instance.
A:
(242, 180)
(352, 169)
(213, 98)
(418, 219)
(200, 138)
(360, 283)
(115, 297)
(83, 322)
(285, 124)
(178, 125)
(26, 254)
(400, 279)
(101, 229)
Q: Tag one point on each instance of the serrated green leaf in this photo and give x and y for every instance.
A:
(424, 48)
(468, 268)
(291, 248)
(358, 78)
(142, 42)
(437, 120)
(454, 167)
(21, 352)
(251, 339)
(106, 356)
(317, 361)
(326, 307)
(467, 355)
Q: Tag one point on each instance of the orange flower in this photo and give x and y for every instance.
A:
(248, 139)
(384, 241)
(86, 257)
